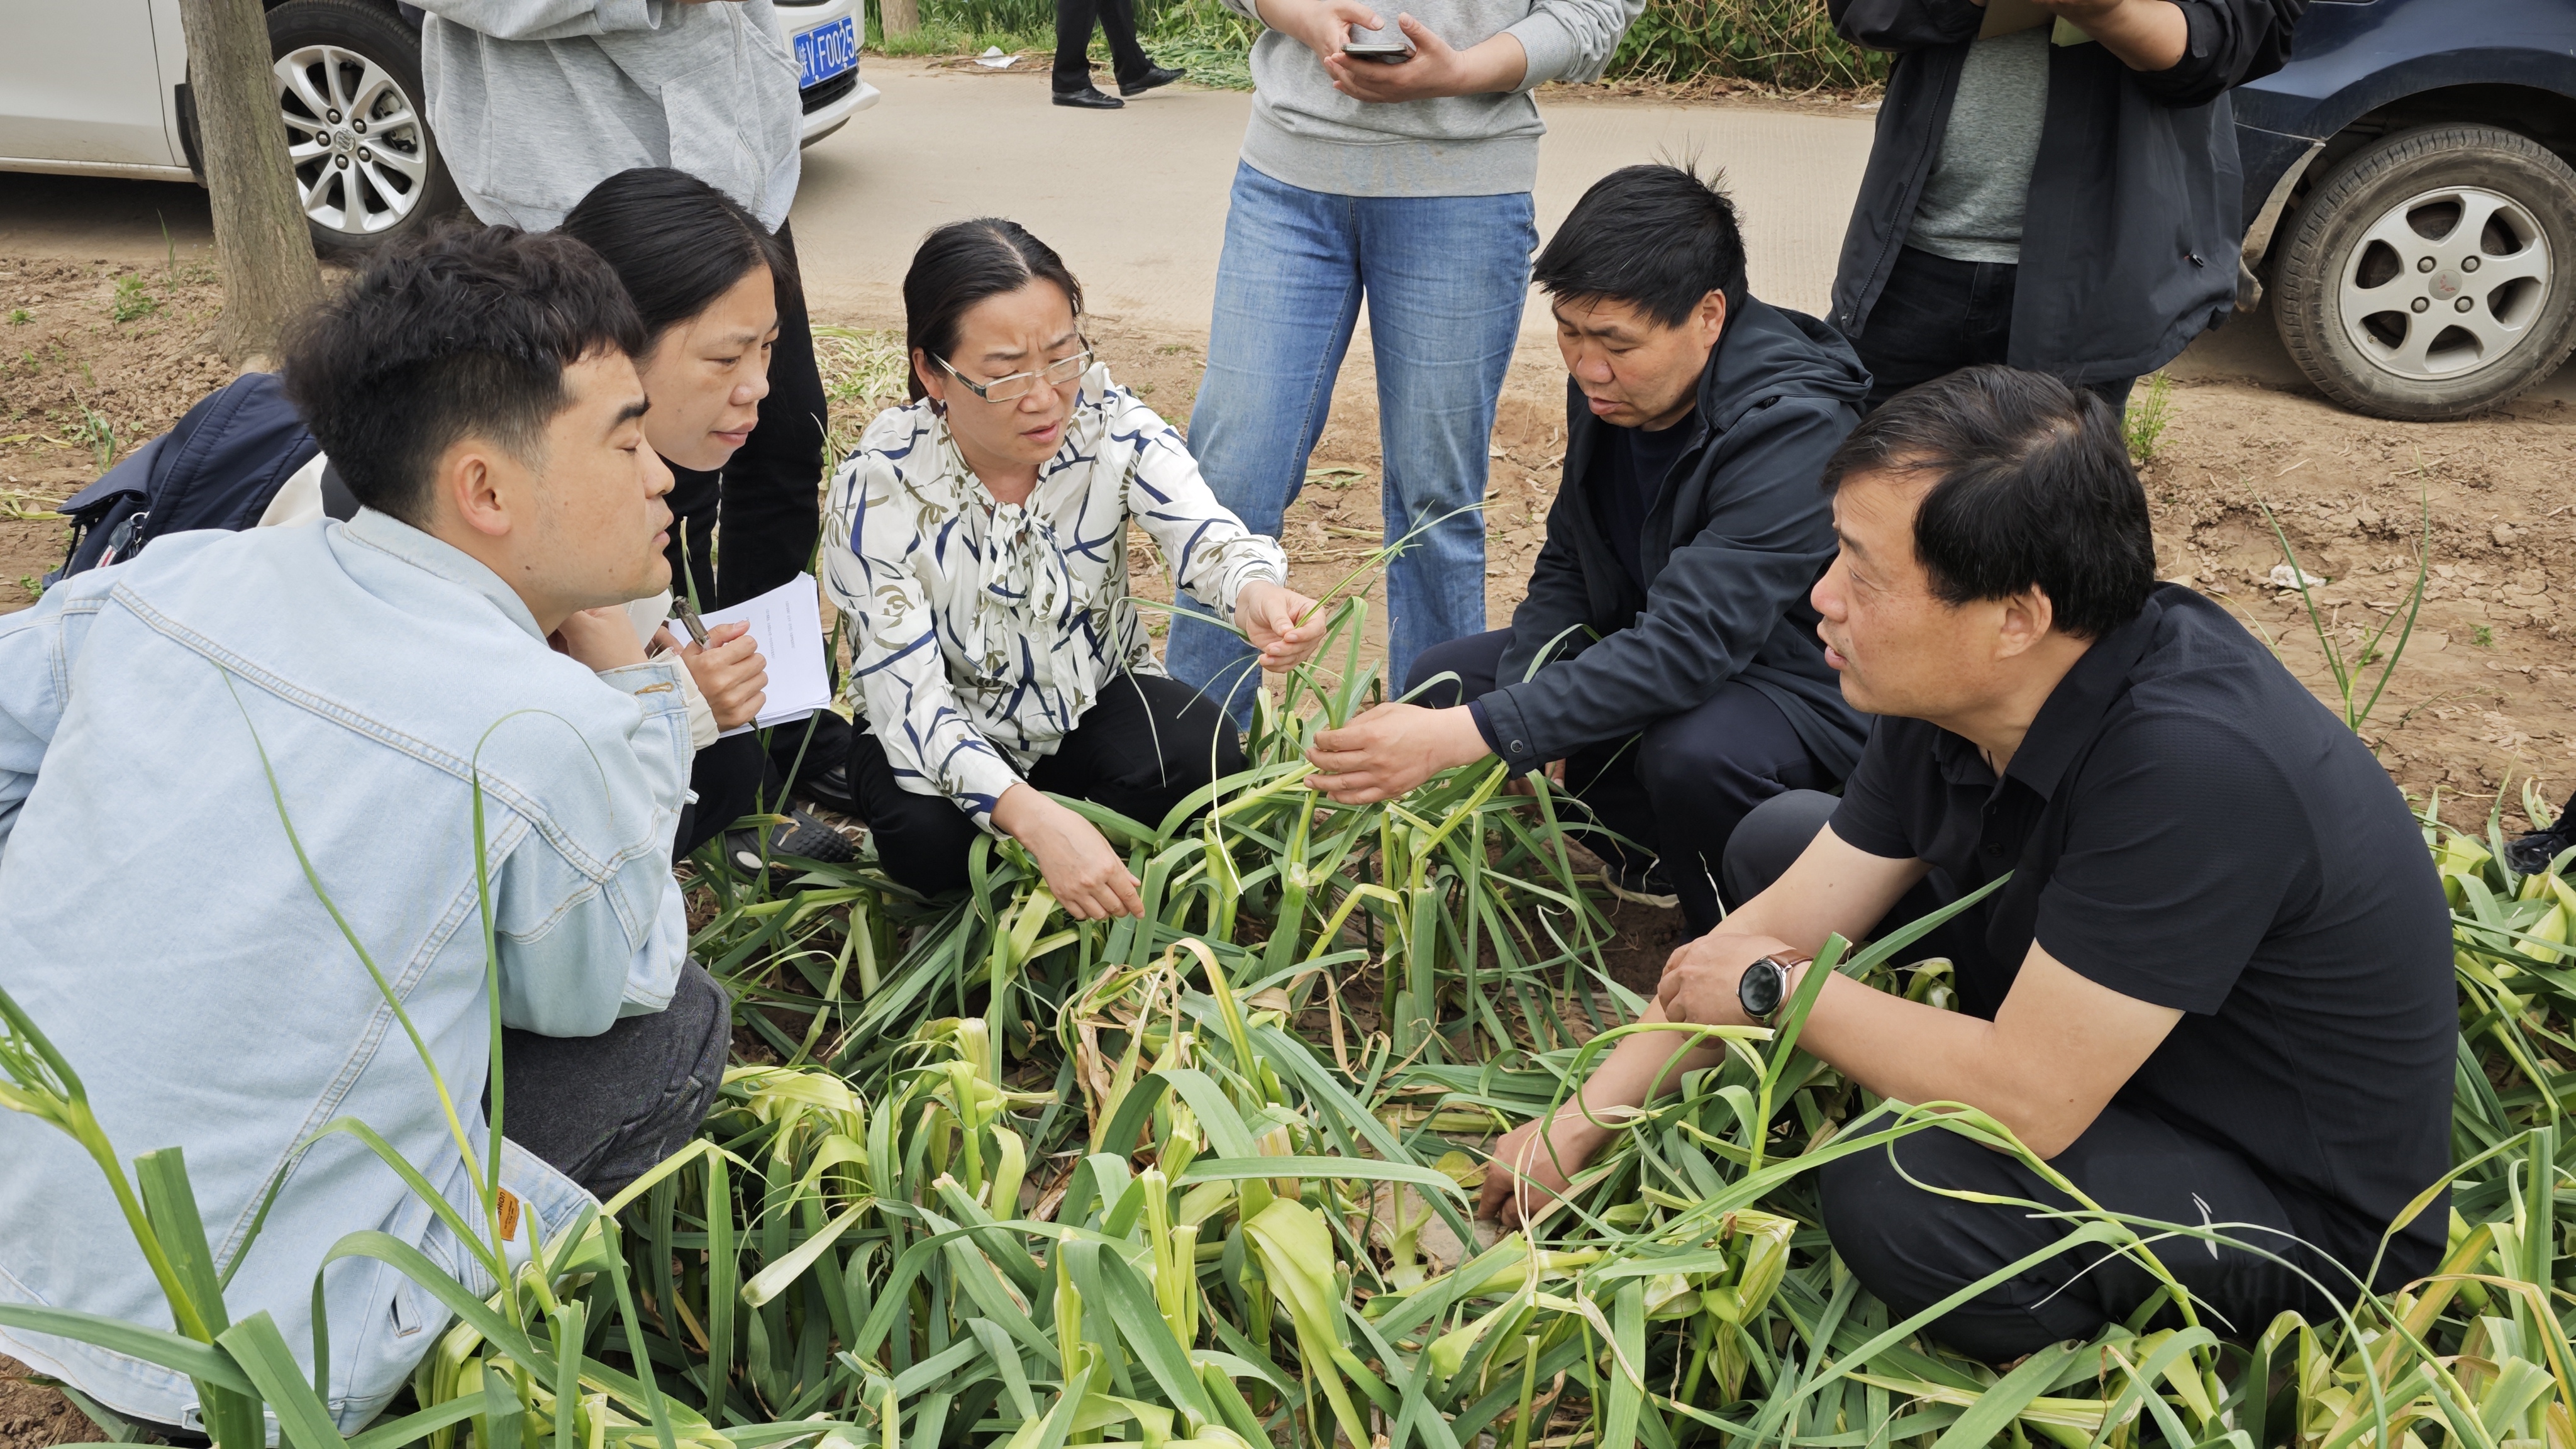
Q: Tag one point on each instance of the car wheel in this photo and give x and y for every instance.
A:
(2432, 273)
(367, 169)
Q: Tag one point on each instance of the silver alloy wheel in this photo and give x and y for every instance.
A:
(2445, 283)
(358, 144)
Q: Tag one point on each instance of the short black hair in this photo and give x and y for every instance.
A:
(1657, 237)
(677, 243)
(2035, 491)
(465, 333)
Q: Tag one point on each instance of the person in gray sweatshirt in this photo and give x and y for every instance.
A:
(1402, 180)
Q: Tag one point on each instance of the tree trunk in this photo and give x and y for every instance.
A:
(899, 17)
(270, 275)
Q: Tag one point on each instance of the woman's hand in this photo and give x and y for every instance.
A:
(730, 672)
(600, 639)
(1087, 875)
(1268, 615)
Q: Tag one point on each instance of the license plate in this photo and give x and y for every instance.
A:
(825, 51)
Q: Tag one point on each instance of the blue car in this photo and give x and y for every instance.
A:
(2411, 211)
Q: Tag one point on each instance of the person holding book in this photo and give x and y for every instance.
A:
(2054, 185)
(977, 544)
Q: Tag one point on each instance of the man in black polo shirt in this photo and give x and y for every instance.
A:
(1666, 654)
(2217, 988)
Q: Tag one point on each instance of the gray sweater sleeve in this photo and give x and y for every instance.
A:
(548, 19)
(1571, 40)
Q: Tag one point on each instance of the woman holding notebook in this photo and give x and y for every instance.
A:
(977, 543)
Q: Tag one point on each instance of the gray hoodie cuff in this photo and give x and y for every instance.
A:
(1550, 47)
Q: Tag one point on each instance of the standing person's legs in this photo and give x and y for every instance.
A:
(1446, 277)
(1934, 317)
(1145, 745)
(1073, 22)
(921, 840)
(1913, 1247)
(1704, 770)
(603, 1109)
(1127, 59)
(1287, 297)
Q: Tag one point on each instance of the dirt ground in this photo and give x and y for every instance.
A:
(32, 1415)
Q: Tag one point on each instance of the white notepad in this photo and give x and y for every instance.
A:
(787, 627)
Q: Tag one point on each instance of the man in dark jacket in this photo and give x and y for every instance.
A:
(2054, 184)
(1666, 654)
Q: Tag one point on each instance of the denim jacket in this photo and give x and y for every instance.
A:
(155, 922)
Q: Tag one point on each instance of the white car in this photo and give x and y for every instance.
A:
(99, 88)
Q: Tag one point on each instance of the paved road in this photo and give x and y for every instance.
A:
(1135, 199)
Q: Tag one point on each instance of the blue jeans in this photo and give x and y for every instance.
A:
(1444, 277)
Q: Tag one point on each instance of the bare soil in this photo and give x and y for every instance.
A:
(79, 386)
(32, 1415)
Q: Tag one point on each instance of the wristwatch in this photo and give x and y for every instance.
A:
(1764, 988)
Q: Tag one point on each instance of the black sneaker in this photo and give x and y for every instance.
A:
(1647, 887)
(829, 788)
(801, 836)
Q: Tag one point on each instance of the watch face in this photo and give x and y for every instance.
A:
(1761, 987)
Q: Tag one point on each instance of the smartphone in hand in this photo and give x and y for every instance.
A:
(1387, 45)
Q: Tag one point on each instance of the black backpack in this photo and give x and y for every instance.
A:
(218, 468)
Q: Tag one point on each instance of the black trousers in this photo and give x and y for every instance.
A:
(603, 1109)
(738, 776)
(1141, 748)
(1678, 788)
(1937, 316)
(768, 497)
(1914, 1248)
(1117, 21)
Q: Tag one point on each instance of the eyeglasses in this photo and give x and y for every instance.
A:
(1020, 384)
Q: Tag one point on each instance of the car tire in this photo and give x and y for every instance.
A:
(2432, 274)
(385, 183)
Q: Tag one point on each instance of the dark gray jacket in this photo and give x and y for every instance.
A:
(1739, 534)
(2132, 227)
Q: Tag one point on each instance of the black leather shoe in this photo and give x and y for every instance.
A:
(1089, 98)
(1158, 76)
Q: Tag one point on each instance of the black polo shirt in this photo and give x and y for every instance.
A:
(2186, 825)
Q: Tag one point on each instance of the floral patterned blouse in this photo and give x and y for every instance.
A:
(983, 630)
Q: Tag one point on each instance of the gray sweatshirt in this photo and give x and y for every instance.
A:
(537, 101)
(1310, 135)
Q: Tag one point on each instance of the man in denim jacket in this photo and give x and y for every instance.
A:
(184, 735)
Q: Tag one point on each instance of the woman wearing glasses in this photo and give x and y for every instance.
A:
(978, 543)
